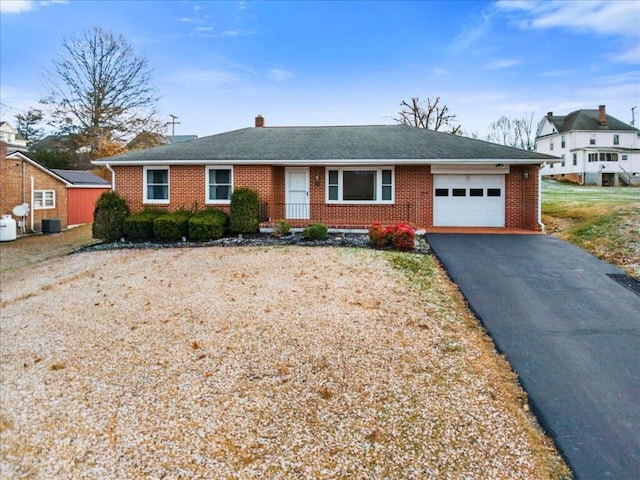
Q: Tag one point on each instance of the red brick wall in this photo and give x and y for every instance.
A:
(187, 185)
(413, 194)
(15, 188)
(521, 197)
(260, 178)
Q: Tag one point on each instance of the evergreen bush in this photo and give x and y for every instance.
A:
(245, 211)
(281, 228)
(207, 225)
(171, 227)
(315, 231)
(139, 226)
(109, 215)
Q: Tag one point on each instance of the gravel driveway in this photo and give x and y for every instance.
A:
(264, 362)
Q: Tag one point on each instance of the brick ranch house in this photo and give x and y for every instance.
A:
(65, 195)
(347, 177)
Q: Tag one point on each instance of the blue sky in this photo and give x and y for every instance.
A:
(218, 64)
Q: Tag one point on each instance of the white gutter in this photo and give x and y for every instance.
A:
(337, 162)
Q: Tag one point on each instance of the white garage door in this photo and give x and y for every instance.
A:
(468, 200)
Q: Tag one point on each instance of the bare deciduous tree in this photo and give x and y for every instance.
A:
(101, 90)
(513, 132)
(429, 115)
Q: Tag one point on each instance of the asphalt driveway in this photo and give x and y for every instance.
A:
(571, 333)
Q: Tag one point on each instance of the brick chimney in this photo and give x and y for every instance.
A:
(259, 121)
(602, 115)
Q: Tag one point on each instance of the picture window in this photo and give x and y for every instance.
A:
(360, 185)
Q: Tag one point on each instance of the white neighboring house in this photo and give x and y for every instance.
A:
(597, 148)
(12, 138)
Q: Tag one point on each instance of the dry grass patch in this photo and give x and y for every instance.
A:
(255, 363)
(36, 248)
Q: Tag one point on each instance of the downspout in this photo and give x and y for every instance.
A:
(24, 173)
(113, 176)
(32, 199)
(540, 224)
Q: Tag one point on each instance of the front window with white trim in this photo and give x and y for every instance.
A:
(360, 185)
(219, 184)
(156, 185)
(44, 199)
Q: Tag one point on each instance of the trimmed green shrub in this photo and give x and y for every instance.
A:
(281, 228)
(109, 215)
(171, 227)
(208, 224)
(139, 226)
(315, 231)
(245, 211)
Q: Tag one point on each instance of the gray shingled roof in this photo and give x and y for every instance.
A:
(586, 120)
(317, 144)
(80, 177)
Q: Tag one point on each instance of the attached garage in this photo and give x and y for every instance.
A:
(468, 200)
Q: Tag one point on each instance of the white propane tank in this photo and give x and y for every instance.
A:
(7, 228)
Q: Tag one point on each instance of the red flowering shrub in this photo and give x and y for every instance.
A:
(404, 237)
(400, 235)
(379, 235)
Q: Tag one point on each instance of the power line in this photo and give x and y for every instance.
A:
(9, 107)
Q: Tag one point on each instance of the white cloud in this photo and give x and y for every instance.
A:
(521, 107)
(499, 64)
(440, 71)
(620, 18)
(630, 56)
(207, 79)
(567, 107)
(470, 34)
(279, 75)
(21, 6)
(16, 6)
(554, 73)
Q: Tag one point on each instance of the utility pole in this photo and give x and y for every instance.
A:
(173, 124)
(633, 116)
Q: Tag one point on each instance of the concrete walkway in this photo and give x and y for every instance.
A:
(571, 333)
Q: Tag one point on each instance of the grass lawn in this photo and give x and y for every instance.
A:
(604, 221)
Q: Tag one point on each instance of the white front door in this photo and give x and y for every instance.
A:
(297, 193)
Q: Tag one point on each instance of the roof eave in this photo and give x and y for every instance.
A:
(333, 161)
(35, 164)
